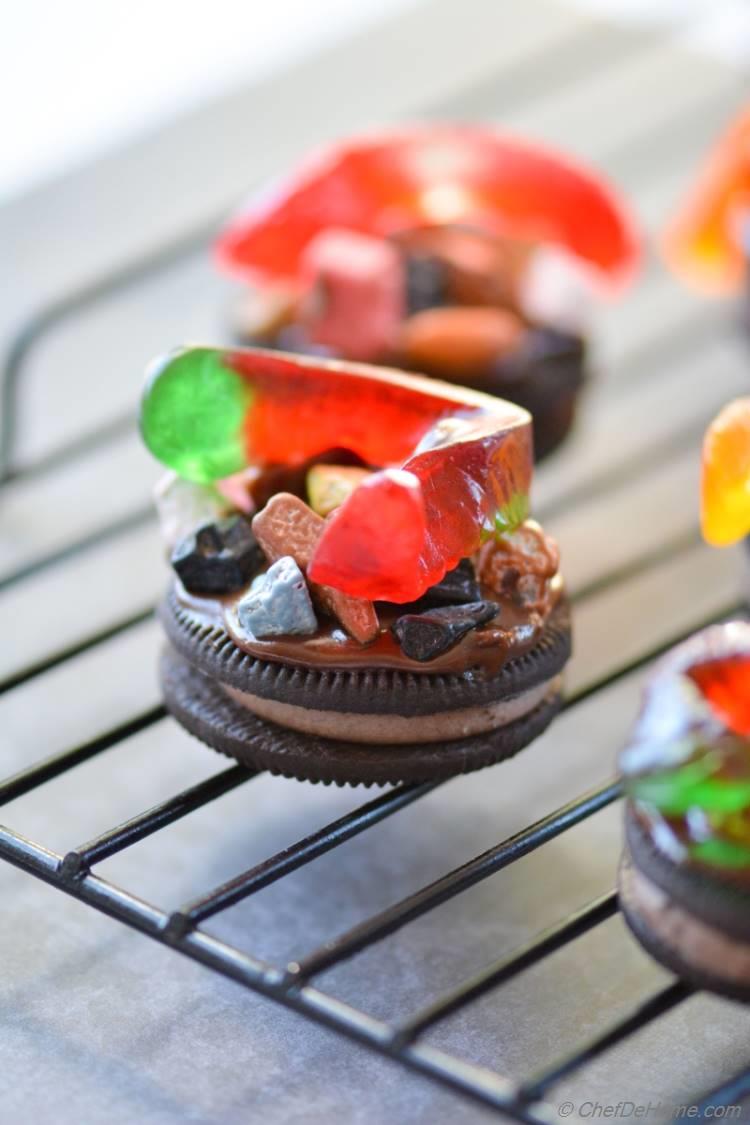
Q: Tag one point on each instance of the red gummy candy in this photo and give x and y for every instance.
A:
(434, 175)
(726, 686)
(471, 454)
(373, 538)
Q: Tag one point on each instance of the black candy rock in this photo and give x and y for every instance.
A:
(457, 587)
(423, 636)
(218, 557)
(425, 283)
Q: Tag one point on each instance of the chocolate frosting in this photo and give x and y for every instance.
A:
(515, 631)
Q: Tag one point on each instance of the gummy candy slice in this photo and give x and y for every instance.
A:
(703, 243)
(208, 412)
(433, 175)
(726, 686)
(725, 479)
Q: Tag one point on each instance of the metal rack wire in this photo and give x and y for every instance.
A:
(293, 985)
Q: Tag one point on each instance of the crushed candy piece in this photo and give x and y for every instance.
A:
(520, 563)
(329, 485)
(278, 603)
(218, 557)
(470, 453)
(182, 505)
(423, 636)
(358, 295)
(460, 343)
(725, 476)
(287, 526)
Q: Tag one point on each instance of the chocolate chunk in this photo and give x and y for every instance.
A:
(278, 603)
(423, 636)
(426, 282)
(218, 557)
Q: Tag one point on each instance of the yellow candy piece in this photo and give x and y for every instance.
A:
(328, 486)
(725, 479)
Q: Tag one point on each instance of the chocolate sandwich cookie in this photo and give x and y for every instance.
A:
(685, 874)
(338, 716)
(446, 250)
(348, 622)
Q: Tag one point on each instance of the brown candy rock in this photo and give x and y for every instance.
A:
(461, 344)
(521, 563)
(287, 526)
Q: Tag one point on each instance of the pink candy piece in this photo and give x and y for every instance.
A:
(357, 299)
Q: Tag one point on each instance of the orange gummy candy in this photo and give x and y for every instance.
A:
(703, 244)
(725, 479)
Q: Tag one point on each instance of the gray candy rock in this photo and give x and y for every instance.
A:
(278, 603)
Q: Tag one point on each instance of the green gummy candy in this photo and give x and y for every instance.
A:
(692, 786)
(193, 413)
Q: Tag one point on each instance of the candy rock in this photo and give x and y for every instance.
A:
(423, 636)
(426, 282)
(457, 587)
(725, 476)
(329, 485)
(477, 268)
(183, 505)
(458, 343)
(218, 557)
(287, 526)
(520, 562)
(278, 603)
(358, 296)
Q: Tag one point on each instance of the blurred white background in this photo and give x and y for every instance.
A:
(79, 77)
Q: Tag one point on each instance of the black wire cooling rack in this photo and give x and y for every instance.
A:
(293, 985)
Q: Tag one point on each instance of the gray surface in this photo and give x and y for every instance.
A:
(99, 1024)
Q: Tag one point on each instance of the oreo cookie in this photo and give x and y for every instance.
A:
(201, 706)
(356, 725)
(692, 919)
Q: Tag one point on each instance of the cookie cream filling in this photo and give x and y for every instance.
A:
(695, 942)
(391, 730)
